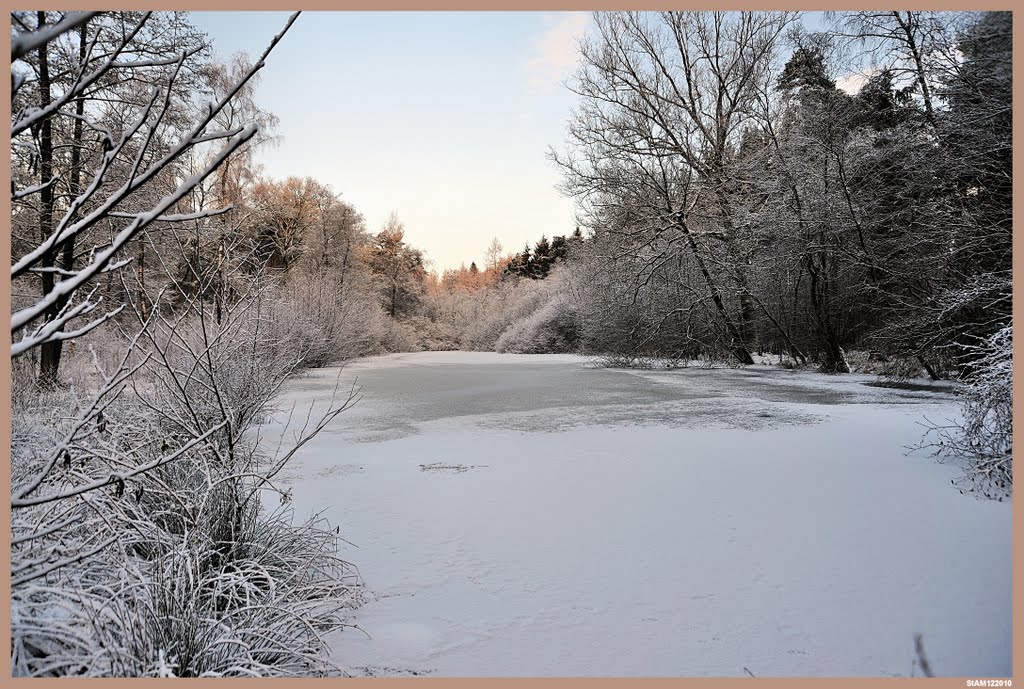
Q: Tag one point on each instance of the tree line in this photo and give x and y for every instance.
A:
(735, 198)
(740, 200)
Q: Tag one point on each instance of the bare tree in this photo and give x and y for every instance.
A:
(157, 566)
(63, 303)
(493, 254)
(665, 100)
(914, 46)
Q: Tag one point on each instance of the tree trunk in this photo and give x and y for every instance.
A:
(834, 357)
(49, 353)
(746, 324)
(915, 52)
(737, 345)
(927, 367)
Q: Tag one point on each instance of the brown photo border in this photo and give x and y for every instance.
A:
(548, 6)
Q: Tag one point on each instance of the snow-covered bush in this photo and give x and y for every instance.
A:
(259, 614)
(422, 334)
(511, 301)
(140, 542)
(631, 314)
(400, 336)
(177, 571)
(553, 328)
(984, 437)
(324, 322)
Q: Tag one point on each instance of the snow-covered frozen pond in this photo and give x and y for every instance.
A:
(517, 515)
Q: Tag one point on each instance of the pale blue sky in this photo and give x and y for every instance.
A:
(442, 117)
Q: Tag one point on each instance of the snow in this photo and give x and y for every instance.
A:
(536, 515)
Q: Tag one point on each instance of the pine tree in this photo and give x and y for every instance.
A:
(541, 265)
(806, 67)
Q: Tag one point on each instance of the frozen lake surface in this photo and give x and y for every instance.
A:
(516, 515)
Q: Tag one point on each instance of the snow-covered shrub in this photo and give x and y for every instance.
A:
(326, 323)
(140, 543)
(553, 328)
(481, 334)
(428, 335)
(25, 389)
(261, 613)
(196, 371)
(400, 336)
(512, 301)
(891, 366)
(612, 360)
(629, 312)
(194, 579)
(984, 437)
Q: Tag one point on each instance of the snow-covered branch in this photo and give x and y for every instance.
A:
(117, 478)
(71, 226)
(35, 115)
(35, 189)
(23, 44)
(65, 288)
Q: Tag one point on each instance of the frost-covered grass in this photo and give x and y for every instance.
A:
(985, 435)
(144, 542)
(688, 522)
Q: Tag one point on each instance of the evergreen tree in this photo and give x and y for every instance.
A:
(883, 106)
(806, 67)
(541, 265)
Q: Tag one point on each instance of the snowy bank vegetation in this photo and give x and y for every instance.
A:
(143, 543)
(985, 436)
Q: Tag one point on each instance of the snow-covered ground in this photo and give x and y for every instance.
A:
(517, 515)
